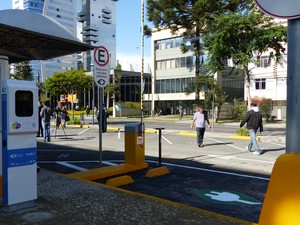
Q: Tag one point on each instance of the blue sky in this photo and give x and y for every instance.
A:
(128, 33)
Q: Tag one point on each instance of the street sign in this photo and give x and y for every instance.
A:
(287, 9)
(101, 66)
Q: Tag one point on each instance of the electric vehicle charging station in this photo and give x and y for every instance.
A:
(19, 127)
(21, 41)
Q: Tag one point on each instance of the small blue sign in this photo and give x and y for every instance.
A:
(21, 157)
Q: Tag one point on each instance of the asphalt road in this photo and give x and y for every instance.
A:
(221, 177)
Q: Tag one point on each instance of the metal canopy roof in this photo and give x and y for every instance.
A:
(26, 35)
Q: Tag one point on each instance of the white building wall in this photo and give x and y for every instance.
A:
(276, 85)
(170, 73)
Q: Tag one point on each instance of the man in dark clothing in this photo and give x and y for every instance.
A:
(40, 131)
(253, 118)
(105, 115)
(46, 117)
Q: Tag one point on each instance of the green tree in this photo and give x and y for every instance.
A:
(215, 97)
(68, 82)
(243, 37)
(23, 72)
(189, 18)
(113, 89)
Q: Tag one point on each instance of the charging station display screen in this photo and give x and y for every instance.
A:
(24, 103)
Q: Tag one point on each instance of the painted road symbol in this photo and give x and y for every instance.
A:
(224, 197)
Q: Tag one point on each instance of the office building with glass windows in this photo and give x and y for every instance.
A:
(62, 11)
(98, 18)
(173, 75)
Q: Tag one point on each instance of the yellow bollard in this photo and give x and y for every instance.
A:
(282, 201)
(134, 144)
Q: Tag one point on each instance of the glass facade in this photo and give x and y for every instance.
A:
(98, 18)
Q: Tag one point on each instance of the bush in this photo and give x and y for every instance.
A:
(135, 105)
(239, 110)
(243, 131)
(74, 120)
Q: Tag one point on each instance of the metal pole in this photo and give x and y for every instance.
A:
(93, 98)
(159, 144)
(293, 91)
(142, 71)
(100, 125)
(159, 147)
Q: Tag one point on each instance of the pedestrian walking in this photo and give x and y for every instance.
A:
(180, 113)
(200, 117)
(46, 117)
(87, 111)
(253, 118)
(104, 115)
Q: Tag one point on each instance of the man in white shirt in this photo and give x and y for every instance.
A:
(199, 119)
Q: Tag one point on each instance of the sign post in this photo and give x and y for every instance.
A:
(282, 199)
(101, 78)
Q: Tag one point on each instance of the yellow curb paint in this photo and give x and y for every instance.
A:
(187, 133)
(79, 126)
(243, 137)
(113, 128)
(282, 201)
(157, 172)
(120, 181)
(151, 131)
(85, 126)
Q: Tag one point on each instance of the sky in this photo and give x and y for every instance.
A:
(128, 34)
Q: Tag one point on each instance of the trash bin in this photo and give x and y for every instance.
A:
(134, 144)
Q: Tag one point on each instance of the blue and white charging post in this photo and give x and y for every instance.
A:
(19, 155)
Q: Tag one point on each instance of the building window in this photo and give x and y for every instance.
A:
(264, 62)
(177, 85)
(173, 85)
(260, 84)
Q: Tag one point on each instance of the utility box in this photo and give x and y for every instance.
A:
(134, 144)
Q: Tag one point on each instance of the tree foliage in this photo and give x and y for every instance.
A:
(68, 82)
(190, 19)
(243, 37)
(23, 72)
(215, 97)
(113, 89)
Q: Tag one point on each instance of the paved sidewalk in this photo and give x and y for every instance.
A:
(62, 200)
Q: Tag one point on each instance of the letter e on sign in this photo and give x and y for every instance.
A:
(101, 67)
